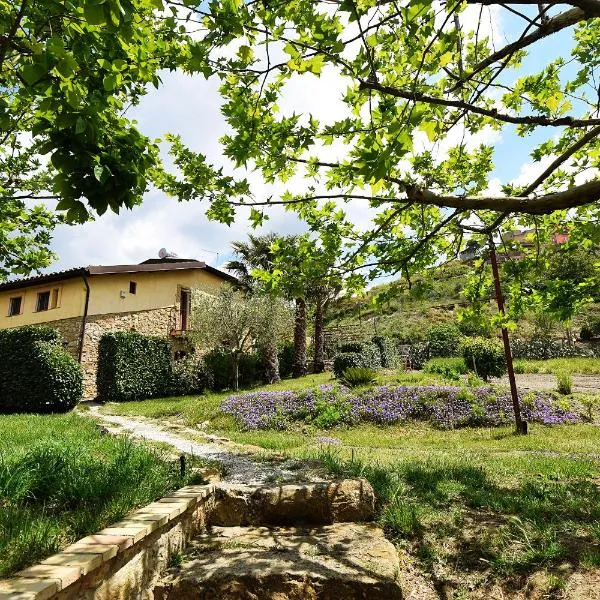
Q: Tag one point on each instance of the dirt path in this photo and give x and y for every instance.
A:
(240, 465)
(540, 381)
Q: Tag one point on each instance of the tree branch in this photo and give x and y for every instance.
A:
(487, 112)
(588, 137)
(553, 25)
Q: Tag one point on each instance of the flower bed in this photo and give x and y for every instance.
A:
(447, 407)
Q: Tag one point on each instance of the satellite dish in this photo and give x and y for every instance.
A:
(164, 253)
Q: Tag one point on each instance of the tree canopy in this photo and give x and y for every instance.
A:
(69, 69)
(427, 87)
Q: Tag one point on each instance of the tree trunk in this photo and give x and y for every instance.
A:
(236, 371)
(271, 363)
(299, 365)
(319, 357)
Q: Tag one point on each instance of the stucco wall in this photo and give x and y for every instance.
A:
(154, 290)
(71, 300)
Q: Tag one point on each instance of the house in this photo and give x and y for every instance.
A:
(152, 297)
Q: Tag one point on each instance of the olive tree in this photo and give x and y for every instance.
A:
(237, 323)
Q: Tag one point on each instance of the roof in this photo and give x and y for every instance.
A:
(148, 266)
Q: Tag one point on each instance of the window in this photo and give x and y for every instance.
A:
(184, 309)
(132, 287)
(43, 301)
(54, 298)
(14, 306)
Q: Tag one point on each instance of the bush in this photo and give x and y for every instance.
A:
(418, 355)
(388, 351)
(450, 368)
(132, 366)
(590, 330)
(219, 363)
(351, 347)
(564, 383)
(371, 357)
(346, 360)
(484, 357)
(286, 359)
(356, 376)
(190, 376)
(541, 349)
(443, 340)
(36, 373)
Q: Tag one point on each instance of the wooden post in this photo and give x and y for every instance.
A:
(521, 426)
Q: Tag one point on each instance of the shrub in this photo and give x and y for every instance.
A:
(590, 330)
(484, 357)
(418, 355)
(590, 403)
(190, 376)
(564, 383)
(36, 373)
(286, 359)
(371, 357)
(132, 366)
(443, 340)
(346, 360)
(451, 368)
(540, 349)
(351, 347)
(388, 351)
(219, 363)
(356, 376)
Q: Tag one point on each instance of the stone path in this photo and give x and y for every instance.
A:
(240, 466)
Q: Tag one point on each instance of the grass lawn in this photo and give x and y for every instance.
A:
(61, 479)
(474, 508)
(576, 366)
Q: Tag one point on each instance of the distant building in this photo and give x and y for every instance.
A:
(153, 297)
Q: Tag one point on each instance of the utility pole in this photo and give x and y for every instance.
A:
(521, 426)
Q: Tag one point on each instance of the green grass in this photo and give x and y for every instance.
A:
(61, 479)
(469, 505)
(552, 366)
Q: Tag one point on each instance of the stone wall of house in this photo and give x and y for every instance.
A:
(159, 321)
(70, 329)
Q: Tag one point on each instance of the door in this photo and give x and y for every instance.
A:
(184, 309)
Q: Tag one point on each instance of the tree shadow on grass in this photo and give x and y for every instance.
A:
(456, 515)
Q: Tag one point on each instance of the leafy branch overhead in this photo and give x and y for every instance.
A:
(69, 71)
(424, 90)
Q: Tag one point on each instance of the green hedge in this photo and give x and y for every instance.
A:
(388, 351)
(132, 366)
(36, 373)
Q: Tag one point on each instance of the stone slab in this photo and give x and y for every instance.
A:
(22, 588)
(64, 575)
(86, 562)
(345, 560)
(321, 503)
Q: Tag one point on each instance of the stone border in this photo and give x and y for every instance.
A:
(101, 564)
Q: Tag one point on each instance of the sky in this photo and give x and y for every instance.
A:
(190, 106)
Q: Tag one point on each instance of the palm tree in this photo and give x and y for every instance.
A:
(256, 253)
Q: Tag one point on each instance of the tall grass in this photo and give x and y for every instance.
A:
(61, 479)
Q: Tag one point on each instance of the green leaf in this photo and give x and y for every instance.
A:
(109, 82)
(32, 73)
(94, 14)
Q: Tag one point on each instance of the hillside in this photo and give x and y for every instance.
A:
(407, 310)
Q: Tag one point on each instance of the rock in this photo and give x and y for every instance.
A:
(209, 474)
(297, 504)
(342, 561)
